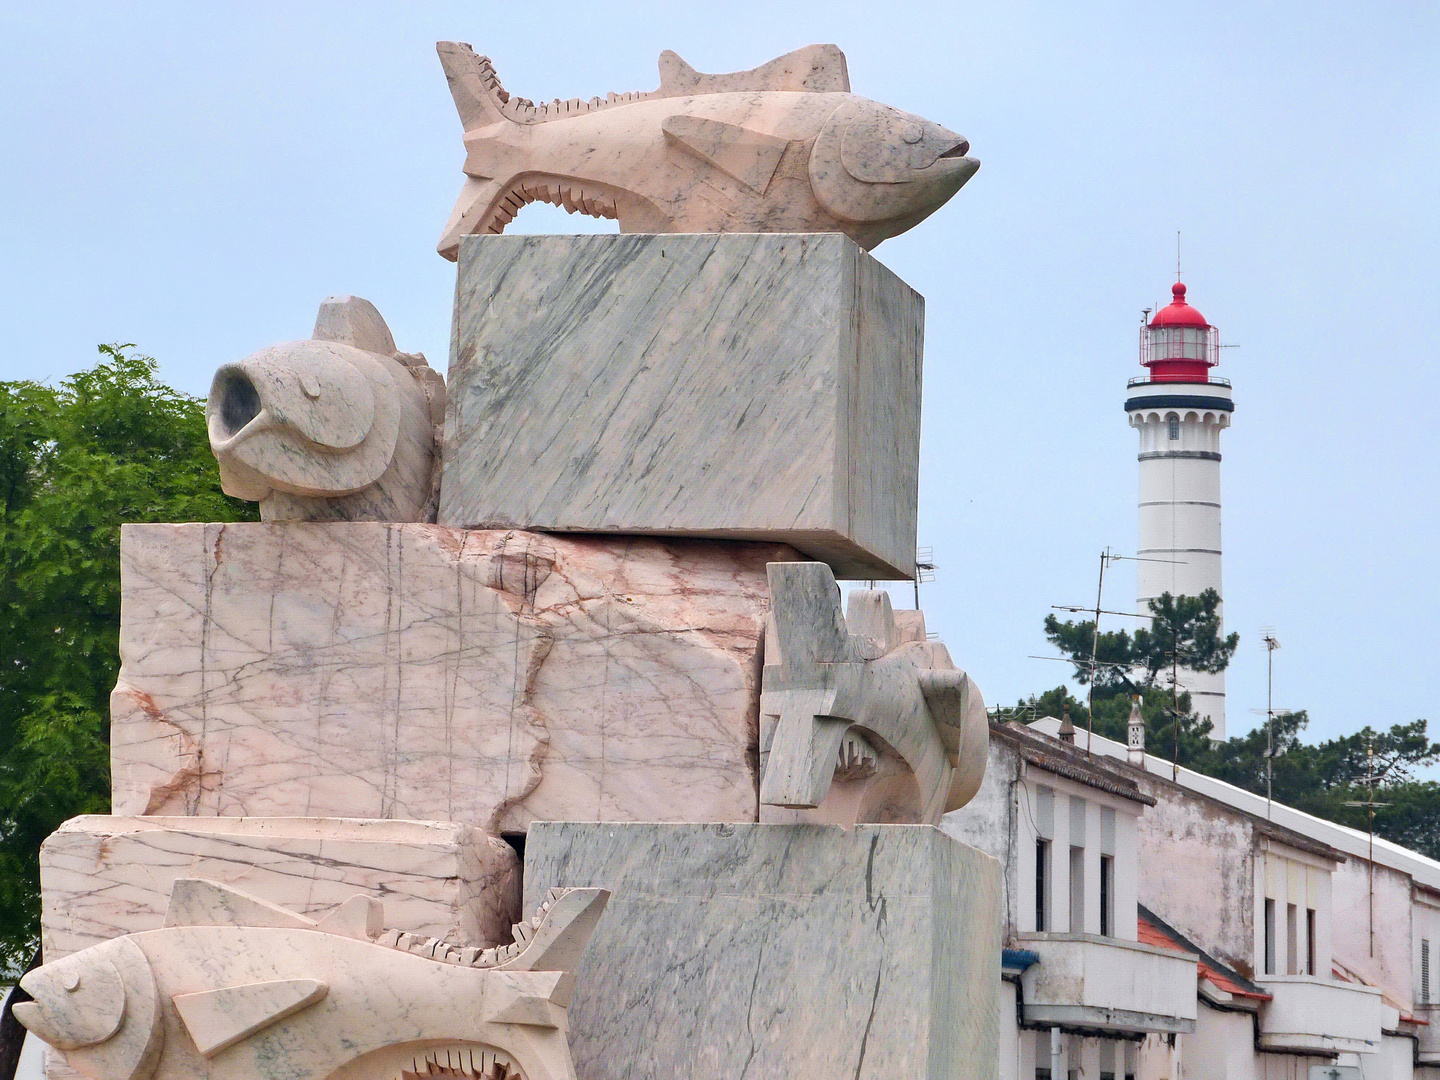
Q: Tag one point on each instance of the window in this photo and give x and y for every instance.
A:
(1042, 884)
(1292, 940)
(1107, 1059)
(1310, 941)
(1425, 971)
(1077, 890)
(1174, 428)
(1107, 895)
(1269, 936)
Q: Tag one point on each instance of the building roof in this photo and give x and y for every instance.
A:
(1337, 838)
(1155, 931)
(1064, 759)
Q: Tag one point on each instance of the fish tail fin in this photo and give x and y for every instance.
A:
(479, 97)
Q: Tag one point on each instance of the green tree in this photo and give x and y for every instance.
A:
(107, 446)
(1325, 779)
(1183, 628)
(1185, 625)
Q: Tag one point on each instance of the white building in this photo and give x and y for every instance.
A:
(1329, 951)
(1081, 991)
(1179, 412)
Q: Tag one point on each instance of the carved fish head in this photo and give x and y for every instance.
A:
(873, 164)
(300, 426)
(101, 1006)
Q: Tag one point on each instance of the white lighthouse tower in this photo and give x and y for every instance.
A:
(1179, 411)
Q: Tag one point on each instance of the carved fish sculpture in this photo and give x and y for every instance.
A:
(235, 988)
(783, 148)
(342, 427)
(863, 719)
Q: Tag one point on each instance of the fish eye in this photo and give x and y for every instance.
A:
(71, 981)
(912, 133)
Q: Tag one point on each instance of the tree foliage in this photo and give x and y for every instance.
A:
(1187, 626)
(1324, 779)
(107, 446)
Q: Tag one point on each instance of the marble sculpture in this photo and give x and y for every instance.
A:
(233, 983)
(863, 718)
(343, 427)
(783, 148)
(583, 655)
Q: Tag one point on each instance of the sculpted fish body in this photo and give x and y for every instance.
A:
(292, 999)
(340, 427)
(783, 148)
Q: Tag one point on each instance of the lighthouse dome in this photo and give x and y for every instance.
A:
(1178, 312)
(1178, 345)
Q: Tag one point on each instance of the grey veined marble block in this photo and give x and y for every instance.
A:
(780, 950)
(762, 387)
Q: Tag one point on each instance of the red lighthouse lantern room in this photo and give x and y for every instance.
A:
(1178, 345)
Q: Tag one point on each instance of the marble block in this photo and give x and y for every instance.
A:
(364, 669)
(780, 950)
(102, 876)
(764, 387)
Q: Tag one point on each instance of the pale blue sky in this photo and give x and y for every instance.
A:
(196, 177)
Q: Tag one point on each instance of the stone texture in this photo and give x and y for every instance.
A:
(742, 386)
(412, 671)
(781, 148)
(222, 996)
(339, 428)
(780, 950)
(102, 877)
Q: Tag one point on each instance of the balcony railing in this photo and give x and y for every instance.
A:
(1146, 380)
(1104, 983)
(1311, 1014)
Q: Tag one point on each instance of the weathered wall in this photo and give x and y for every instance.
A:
(985, 823)
(1389, 963)
(1197, 871)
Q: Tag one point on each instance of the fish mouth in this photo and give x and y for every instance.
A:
(959, 150)
(474, 1062)
(235, 403)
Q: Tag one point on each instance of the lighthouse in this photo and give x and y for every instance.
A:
(1179, 409)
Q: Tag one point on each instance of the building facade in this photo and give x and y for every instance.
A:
(1324, 941)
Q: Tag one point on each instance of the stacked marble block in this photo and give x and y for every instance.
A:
(636, 426)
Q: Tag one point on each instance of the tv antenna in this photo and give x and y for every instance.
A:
(1106, 558)
(925, 568)
(1271, 643)
(1370, 804)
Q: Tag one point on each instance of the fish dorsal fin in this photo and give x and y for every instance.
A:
(559, 941)
(473, 84)
(198, 902)
(351, 320)
(818, 69)
(217, 1019)
(749, 156)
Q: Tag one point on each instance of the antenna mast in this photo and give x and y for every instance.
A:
(1271, 644)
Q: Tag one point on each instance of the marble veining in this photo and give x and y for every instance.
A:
(764, 387)
(780, 950)
(104, 876)
(372, 670)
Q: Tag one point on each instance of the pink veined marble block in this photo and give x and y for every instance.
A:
(364, 669)
(104, 876)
